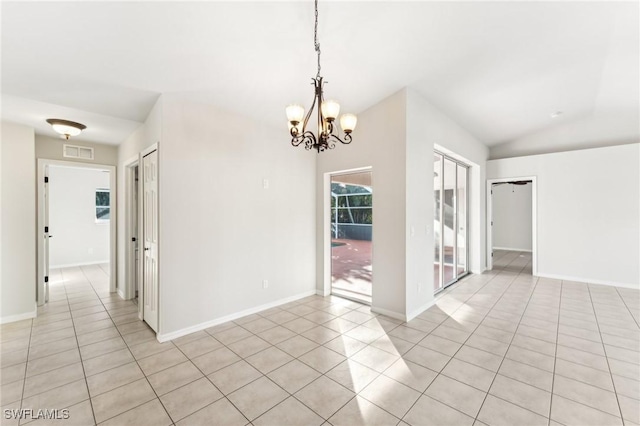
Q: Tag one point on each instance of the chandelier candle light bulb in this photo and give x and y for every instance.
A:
(348, 122)
(330, 110)
(327, 112)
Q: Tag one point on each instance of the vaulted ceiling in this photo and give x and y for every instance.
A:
(500, 69)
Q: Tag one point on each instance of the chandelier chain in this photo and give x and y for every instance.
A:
(315, 39)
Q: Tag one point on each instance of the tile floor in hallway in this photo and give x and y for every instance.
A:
(502, 348)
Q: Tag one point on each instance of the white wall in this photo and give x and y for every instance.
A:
(396, 138)
(221, 232)
(78, 238)
(379, 142)
(588, 212)
(18, 218)
(429, 129)
(511, 210)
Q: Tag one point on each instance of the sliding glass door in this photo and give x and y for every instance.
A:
(450, 220)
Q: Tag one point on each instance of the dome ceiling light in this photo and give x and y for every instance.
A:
(66, 128)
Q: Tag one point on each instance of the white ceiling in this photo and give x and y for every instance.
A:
(498, 68)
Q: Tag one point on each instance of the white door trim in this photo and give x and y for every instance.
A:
(534, 219)
(130, 270)
(42, 164)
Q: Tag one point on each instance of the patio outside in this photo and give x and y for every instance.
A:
(351, 230)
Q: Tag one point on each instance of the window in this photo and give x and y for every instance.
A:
(103, 205)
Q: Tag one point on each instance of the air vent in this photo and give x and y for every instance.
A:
(75, 151)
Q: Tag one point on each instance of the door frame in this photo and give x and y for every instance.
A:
(326, 232)
(43, 163)
(467, 198)
(534, 219)
(130, 270)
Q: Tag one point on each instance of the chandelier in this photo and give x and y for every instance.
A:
(327, 112)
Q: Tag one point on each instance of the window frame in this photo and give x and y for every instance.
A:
(96, 207)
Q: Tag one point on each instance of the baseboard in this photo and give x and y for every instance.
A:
(588, 281)
(513, 249)
(165, 337)
(421, 309)
(121, 294)
(20, 317)
(321, 293)
(73, 265)
(388, 313)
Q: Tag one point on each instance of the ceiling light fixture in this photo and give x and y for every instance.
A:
(66, 128)
(327, 114)
(556, 114)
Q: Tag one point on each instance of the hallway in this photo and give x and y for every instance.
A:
(498, 348)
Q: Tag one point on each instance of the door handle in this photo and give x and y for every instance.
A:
(147, 249)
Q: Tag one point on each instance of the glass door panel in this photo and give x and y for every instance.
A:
(449, 222)
(461, 238)
(437, 220)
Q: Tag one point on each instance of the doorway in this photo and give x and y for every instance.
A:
(351, 235)
(76, 204)
(451, 219)
(132, 232)
(511, 223)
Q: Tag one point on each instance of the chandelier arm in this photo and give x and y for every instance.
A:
(306, 118)
(347, 139)
(309, 140)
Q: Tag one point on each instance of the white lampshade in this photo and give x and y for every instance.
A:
(348, 122)
(330, 110)
(65, 127)
(295, 113)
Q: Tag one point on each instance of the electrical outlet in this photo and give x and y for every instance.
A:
(265, 183)
(419, 288)
(265, 283)
(427, 229)
(413, 231)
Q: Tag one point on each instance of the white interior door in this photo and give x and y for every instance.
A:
(47, 234)
(150, 219)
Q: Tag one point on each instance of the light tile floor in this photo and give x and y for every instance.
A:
(502, 348)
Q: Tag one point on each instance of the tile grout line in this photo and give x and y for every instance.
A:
(204, 376)
(135, 360)
(555, 355)
(462, 344)
(26, 366)
(84, 373)
(531, 293)
(244, 359)
(604, 347)
(625, 304)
